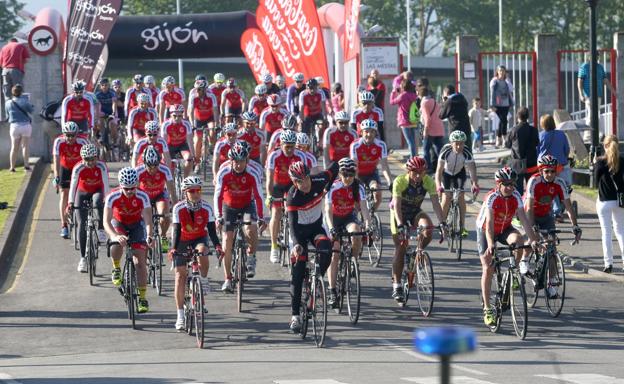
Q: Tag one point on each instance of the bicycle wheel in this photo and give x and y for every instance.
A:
(531, 283)
(341, 282)
(151, 271)
(303, 308)
(450, 239)
(92, 249)
(319, 312)
(495, 300)
(457, 232)
(130, 288)
(188, 309)
(156, 260)
(353, 291)
(240, 272)
(198, 311)
(374, 251)
(75, 231)
(159, 269)
(555, 285)
(518, 305)
(424, 283)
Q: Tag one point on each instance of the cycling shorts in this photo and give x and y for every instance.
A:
(309, 122)
(454, 181)
(180, 261)
(136, 233)
(344, 221)
(230, 215)
(179, 149)
(412, 216)
(367, 179)
(65, 177)
(278, 193)
(234, 111)
(163, 196)
(83, 125)
(546, 223)
(500, 238)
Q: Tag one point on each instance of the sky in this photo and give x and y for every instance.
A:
(33, 6)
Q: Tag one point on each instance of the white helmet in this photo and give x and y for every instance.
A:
(267, 78)
(279, 79)
(261, 89)
(152, 126)
(341, 116)
(303, 139)
(191, 182)
(368, 124)
(169, 80)
(366, 97)
(128, 177)
(288, 137)
(149, 79)
(319, 80)
(70, 127)
(151, 157)
(88, 151)
(230, 127)
(143, 98)
(219, 78)
(298, 76)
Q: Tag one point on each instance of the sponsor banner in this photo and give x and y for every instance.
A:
(296, 23)
(278, 39)
(351, 38)
(256, 49)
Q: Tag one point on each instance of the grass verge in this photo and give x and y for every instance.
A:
(10, 184)
(586, 191)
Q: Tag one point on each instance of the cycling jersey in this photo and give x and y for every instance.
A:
(168, 98)
(292, 98)
(131, 98)
(154, 185)
(543, 193)
(233, 98)
(77, 110)
(454, 162)
(121, 98)
(360, 115)
(367, 156)
(343, 200)
(88, 180)
(253, 167)
(306, 208)
(160, 145)
(176, 133)
(271, 121)
(275, 141)
(106, 100)
(192, 223)
(257, 104)
(153, 92)
(137, 117)
(237, 190)
(127, 210)
(339, 142)
(278, 163)
(504, 209)
(255, 138)
(68, 154)
(221, 149)
(310, 159)
(272, 89)
(410, 194)
(203, 107)
(311, 104)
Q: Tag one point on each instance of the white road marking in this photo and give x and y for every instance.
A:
(585, 378)
(7, 379)
(427, 358)
(436, 380)
(321, 381)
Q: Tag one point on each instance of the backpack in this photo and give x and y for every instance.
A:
(414, 113)
(49, 111)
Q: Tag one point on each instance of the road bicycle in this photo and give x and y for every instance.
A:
(348, 280)
(313, 300)
(155, 254)
(316, 136)
(92, 251)
(239, 260)
(178, 174)
(128, 288)
(374, 244)
(454, 237)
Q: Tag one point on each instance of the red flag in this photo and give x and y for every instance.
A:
(351, 39)
(257, 51)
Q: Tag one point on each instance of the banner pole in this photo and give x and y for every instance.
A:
(180, 64)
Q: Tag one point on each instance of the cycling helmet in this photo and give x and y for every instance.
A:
(143, 98)
(303, 139)
(288, 137)
(312, 83)
(368, 124)
(298, 170)
(346, 165)
(249, 116)
(289, 122)
(298, 77)
(116, 83)
(505, 174)
(547, 161)
(320, 80)
(149, 79)
(177, 109)
(229, 127)
(78, 86)
(201, 76)
(238, 152)
(152, 127)
(70, 127)
(138, 79)
(367, 97)
(151, 157)
(168, 80)
(103, 81)
(191, 182)
(231, 82)
(267, 78)
(416, 164)
(457, 136)
(245, 145)
(202, 84)
(341, 116)
(88, 151)
(274, 100)
(261, 89)
(279, 79)
(219, 78)
(128, 177)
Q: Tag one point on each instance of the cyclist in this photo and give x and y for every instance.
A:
(280, 81)
(288, 124)
(202, 112)
(150, 84)
(128, 222)
(304, 202)
(254, 136)
(78, 109)
(267, 81)
(193, 91)
(168, 97)
(327, 93)
(252, 167)
(132, 93)
(271, 118)
(156, 181)
(337, 140)
(232, 99)
(311, 106)
(179, 136)
(292, 95)
(193, 222)
(367, 111)
(152, 137)
(367, 152)
(89, 181)
(66, 155)
(107, 100)
(454, 158)
(120, 100)
(278, 182)
(138, 116)
(500, 205)
(217, 87)
(345, 197)
(408, 192)
(303, 144)
(223, 145)
(258, 102)
(238, 192)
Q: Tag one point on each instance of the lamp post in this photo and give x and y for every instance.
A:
(500, 25)
(180, 64)
(593, 79)
(408, 13)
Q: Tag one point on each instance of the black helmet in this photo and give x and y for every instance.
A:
(312, 83)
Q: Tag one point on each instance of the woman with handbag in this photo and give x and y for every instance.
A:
(18, 110)
(609, 176)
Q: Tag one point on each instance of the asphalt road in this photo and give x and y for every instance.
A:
(55, 328)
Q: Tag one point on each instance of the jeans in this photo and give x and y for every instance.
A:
(611, 217)
(10, 77)
(437, 142)
(566, 176)
(410, 137)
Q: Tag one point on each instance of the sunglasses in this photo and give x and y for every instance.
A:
(343, 122)
(194, 190)
(347, 174)
(129, 189)
(89, 159)
(152, 134)
(69, 136)
(508, 184)
(549, 171)
(289, 146)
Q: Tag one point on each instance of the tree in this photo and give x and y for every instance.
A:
(9, 21)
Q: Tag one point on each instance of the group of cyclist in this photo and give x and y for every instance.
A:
(263, 146)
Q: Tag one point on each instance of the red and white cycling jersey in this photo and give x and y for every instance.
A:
(128, 210)
(275, 141)
(88, 180)
(311, 161)
(367, 156)
(237, 190)
(271, 121)
(342, 199)
(311, 104)
(233, 98)
(68, 154)
(160, 145)
(153, 92)
(257, 104)
(203, 107)
(255, 138)
(217, 90)
(73, 109)
(193, 224)
(254, 168)
(138, 117)
(175, 133)
(154, 184)
(278, 164)
(360, 115)
(543, 193)
(338, 142)
(168, 98)
(221, 149)
(504, 209)
(131, 98)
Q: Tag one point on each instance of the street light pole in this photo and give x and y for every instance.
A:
(500, 25)
(409, 37)
(593, 83)
(180, 65)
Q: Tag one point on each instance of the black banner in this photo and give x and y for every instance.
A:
(179, 36)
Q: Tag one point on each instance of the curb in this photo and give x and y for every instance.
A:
(579, 265)
(11, 237)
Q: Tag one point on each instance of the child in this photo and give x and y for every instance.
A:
(477, 118)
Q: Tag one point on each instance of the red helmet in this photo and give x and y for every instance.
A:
(416, 164)
(298, 170)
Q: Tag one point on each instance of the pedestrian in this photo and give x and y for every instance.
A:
(337, 98)
(500, 101)
(13, 57)
(584, 88)
(377, 88)
(455, 109)
(433, 128)
(404, 97)
(523, 140)
(18, 110)
(476, 115)
(609, 176)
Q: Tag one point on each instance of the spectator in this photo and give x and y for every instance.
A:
(584, 88)
(609, 176)
(433, 128)
(337, 98)
(523, 140)
(500, 101)
(408, 75)
(377, 88)
(554, 142)
(476, 115)
(455, 109)
(13, 57)
(404, 98)
(17, 110)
